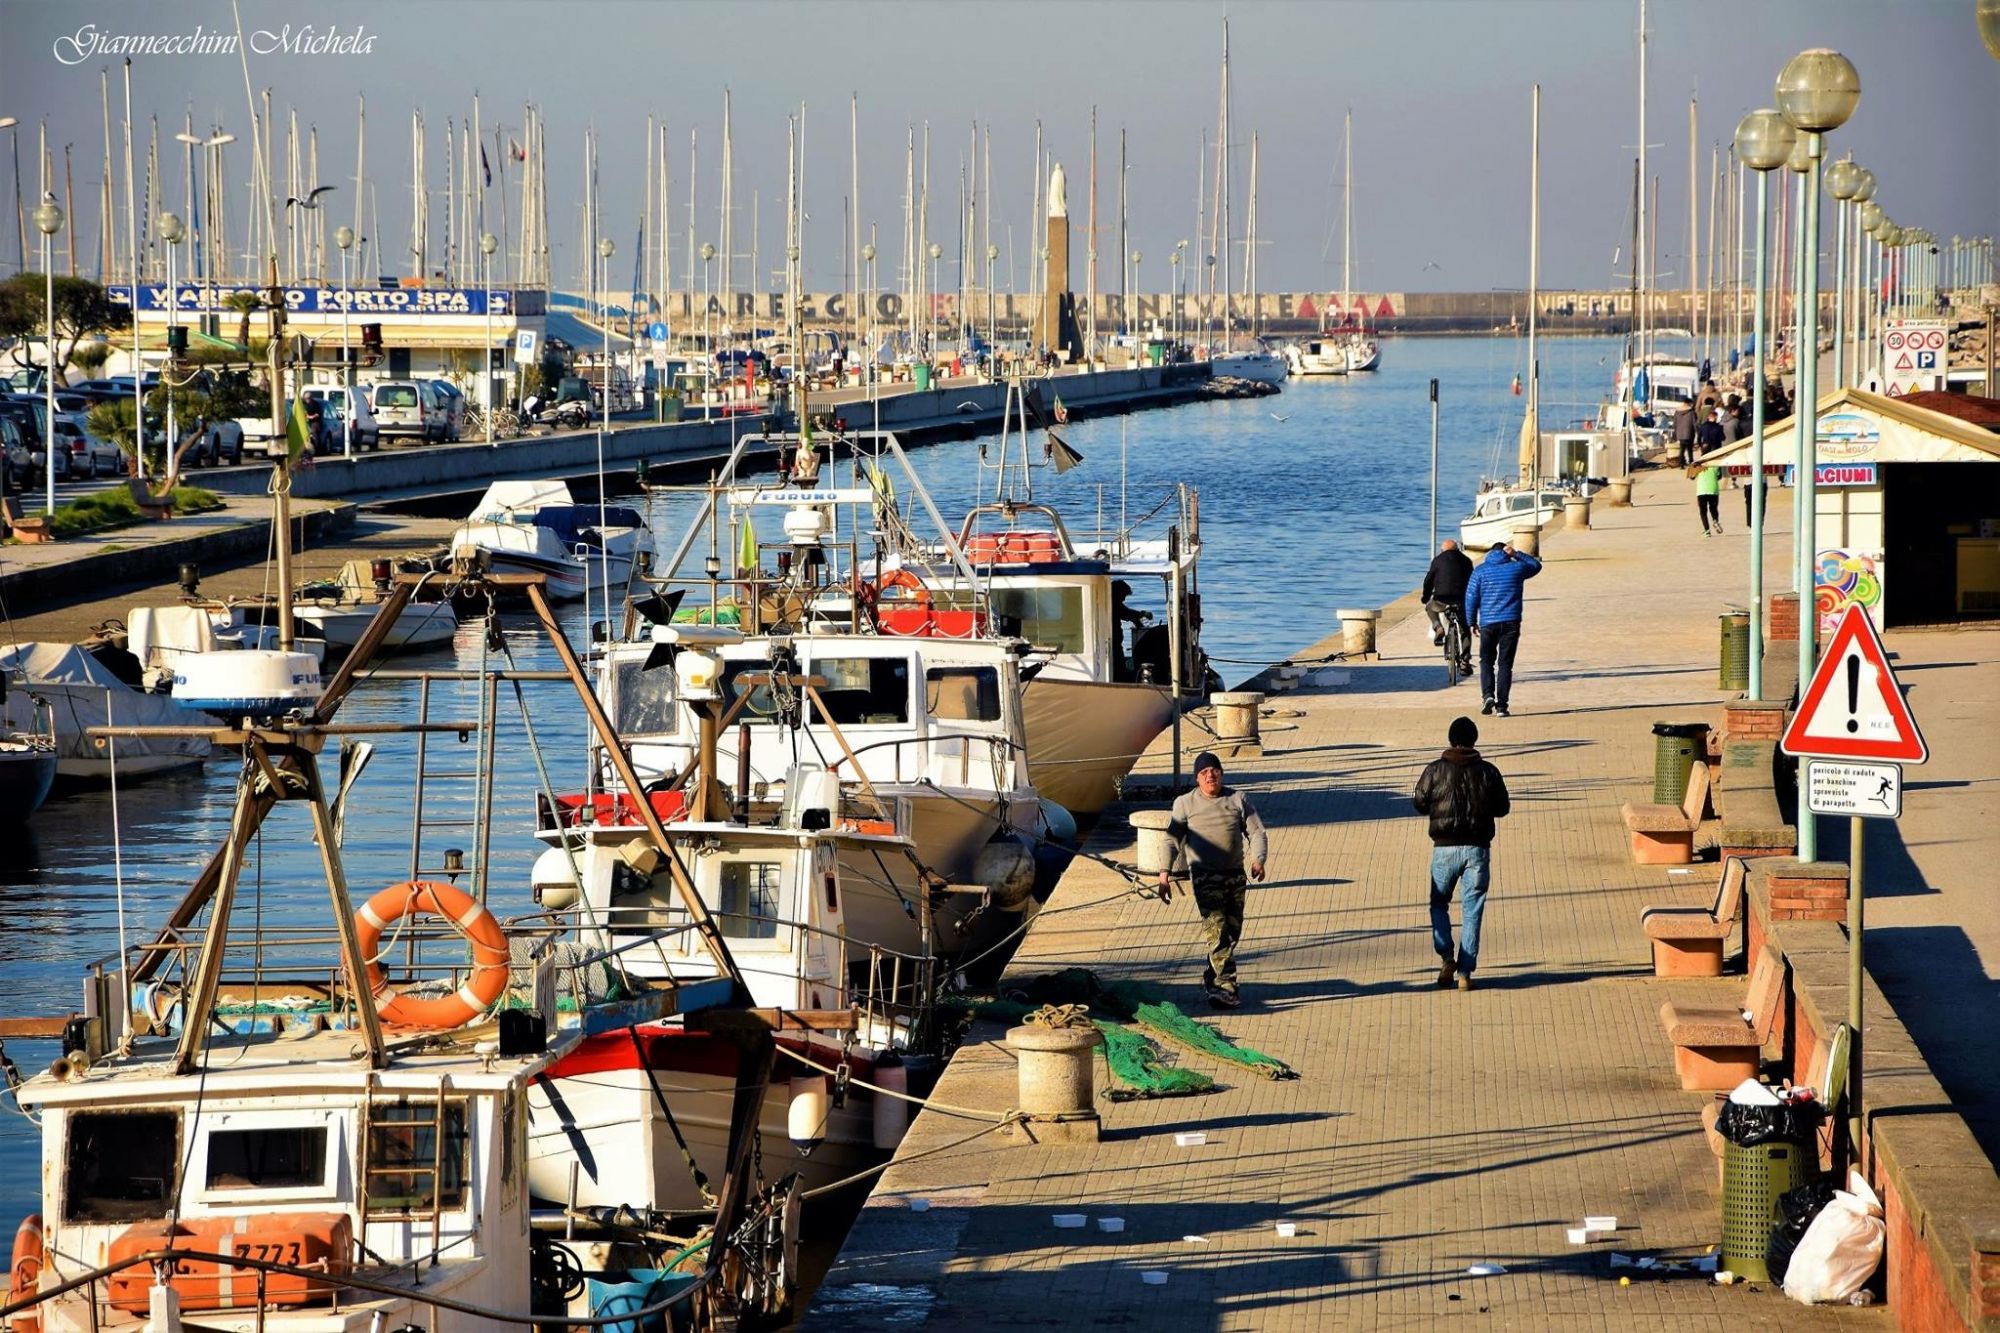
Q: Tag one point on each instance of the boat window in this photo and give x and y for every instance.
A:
(750, 900)
(120, 1166)
(963, 694)
(642, 702)
(281, 1157)
(760, 708)
(861, 691)
(409, 1170)
(1050, 617)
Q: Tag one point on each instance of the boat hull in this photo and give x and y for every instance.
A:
(26, 774)
(1479, 534)
(1262, 367)
(343, 626)
(948, 830)
(1085, 735)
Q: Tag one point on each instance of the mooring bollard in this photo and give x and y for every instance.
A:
(1156, 849)
(1618, 492)
(1576, 512)
(1236, 716)
(1528, 539)
(1057, 1076)
(1357, 632)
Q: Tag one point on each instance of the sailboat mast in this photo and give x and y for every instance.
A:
(1250, 243)
(1531, 432)
(1222, 183)
(1347, 219)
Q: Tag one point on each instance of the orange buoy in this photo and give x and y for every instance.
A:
(25, 1274)
(489, 954)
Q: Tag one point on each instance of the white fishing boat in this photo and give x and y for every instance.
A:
(1498, 512)
(82, 692)
(341, 610)
(536, 527)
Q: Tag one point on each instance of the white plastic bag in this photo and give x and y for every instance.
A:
(1841, 1249)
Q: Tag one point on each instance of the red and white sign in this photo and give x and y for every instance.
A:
(1853, 708)
(1913, 356)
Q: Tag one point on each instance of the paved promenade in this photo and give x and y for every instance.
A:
(1429, 1130)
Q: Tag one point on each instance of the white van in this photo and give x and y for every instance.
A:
(406, 409)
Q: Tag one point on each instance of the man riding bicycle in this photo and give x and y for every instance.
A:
(1444, 594)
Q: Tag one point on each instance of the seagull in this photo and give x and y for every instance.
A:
(1276, 417)
(312, 199)
(1433, 264)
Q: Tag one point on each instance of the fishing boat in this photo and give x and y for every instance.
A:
(81, 692)
(1498, 512)
(536, 527)
(341, 609)
(643, 1114)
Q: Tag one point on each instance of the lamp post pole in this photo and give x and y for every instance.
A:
(1843, 178)
(49, 221)
(708, 330)
(488, 243)
(171, 231)
(343, 239)
(1763, 142)
(1817, 91)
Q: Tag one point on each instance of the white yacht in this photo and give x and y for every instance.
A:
(536, 527)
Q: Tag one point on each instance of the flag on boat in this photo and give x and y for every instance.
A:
(483, 165)
(515, 151)
(746, 548)
(298, 435)
(1062, 413)
(1061, 454)
(1517, 386)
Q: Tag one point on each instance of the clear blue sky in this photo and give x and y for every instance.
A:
(1439, 90)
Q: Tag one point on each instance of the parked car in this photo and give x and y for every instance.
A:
(452, 406)
(89, 455)
(26, 414)
(13, 458)
(220, 442)
(406, 408)
(367, 431)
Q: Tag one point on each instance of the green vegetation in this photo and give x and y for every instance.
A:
(116, 509)
(83, 310)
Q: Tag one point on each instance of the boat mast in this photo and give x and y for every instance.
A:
(1531, 438)
(1222, 184)
(1347, 224)
(1250, 244)
(1645, 283)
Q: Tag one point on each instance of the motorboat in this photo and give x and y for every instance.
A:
(340, 610)
(82, 692)
(27, 765)
(1249, 361)
(536, 527)
(1333, 351)
(1500, 510)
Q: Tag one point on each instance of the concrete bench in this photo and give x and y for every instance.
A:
(1663, 835)
(25, 527)
(1752, 822)
(150, 505)
(1715, 1049)
(1689, 941)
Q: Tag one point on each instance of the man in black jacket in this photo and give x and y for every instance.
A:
(1463, 795)
(1444, 586)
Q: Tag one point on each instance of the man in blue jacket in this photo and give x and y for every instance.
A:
(1493, 611)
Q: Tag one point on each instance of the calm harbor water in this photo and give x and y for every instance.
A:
(1310, 500)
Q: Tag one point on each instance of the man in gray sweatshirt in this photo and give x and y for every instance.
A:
(1215, 831)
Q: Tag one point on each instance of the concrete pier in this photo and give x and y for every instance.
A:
(1429, 1131)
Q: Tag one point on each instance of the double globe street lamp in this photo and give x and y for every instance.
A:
(48, 217)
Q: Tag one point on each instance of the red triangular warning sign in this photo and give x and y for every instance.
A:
(1307, 310)
(1853, 709)
(1895, 390)
(1903, 362)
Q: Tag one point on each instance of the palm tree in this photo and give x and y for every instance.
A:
(114, 420)
(245, 304)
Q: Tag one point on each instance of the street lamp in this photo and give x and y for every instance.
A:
(1843, 178)
(1174, 262)
(1864, 190)
(1817, 91)
(707, 329)
(172, 229)
(49, 221)
(992, 317)
(605, 249)
(343, 238)
(868, 258)
(937, 253)
(488, 243)
(1763, 142)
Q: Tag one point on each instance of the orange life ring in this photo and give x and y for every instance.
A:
(25, 1274)
(914, 591)
(489, 954)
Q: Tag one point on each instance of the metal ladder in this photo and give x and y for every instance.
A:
(371, 1169)
(446, 855)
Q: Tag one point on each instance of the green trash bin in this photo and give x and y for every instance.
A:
(1676, 748)
(1752, 1180)
(921, 375)
(1733, 672)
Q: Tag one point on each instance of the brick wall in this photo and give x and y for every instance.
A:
(1808, 891)
(1753, 720)
(1783, 621)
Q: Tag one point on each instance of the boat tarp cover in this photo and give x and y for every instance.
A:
(85, 694)
(506, 499)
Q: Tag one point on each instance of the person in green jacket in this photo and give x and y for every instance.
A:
(1707, 489)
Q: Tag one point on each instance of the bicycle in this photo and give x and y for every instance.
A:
(1457, 645)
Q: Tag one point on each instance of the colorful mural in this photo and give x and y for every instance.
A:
(1843, 579)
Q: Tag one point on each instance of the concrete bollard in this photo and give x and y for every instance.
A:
(1357, 632)
(1528, 539)
(1618, 493)
(1156, 849)
(1576, 512)
(1236, 716)
(1057, 1077)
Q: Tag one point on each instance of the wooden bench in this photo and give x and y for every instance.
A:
(150, 505)
(1689, 941)
(1663, 835)
(1715, 1049)
(25, 527)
